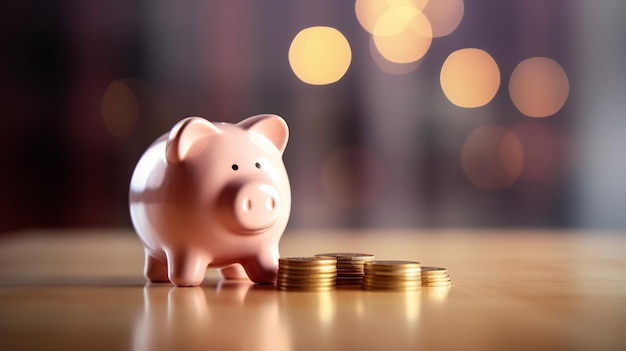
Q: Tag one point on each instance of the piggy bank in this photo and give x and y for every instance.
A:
(212, 195)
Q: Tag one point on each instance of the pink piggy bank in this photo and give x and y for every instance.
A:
(212, 195)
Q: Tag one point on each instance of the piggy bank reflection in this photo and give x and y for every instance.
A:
(212, 195)
(229, 316)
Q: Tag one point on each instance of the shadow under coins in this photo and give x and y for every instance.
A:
(237, 315)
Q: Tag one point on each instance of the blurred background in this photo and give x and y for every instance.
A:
(402, 113)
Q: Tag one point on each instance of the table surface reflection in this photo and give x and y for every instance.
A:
(512, 289)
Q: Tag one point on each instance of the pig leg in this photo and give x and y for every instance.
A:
(187, 268)
(234, 272)
(262, 268)
(154, 269)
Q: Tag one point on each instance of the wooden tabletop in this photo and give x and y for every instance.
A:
(511, 290)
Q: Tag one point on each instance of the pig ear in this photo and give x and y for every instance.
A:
(272, 127)
(184, 134)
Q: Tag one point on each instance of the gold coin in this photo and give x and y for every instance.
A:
(391, 274)
(436, 284)
(347, 256)
(345, 272)
(391, 267)
(349, 272)
(298, 274)
(306, 276)
(306, 271)
(430, 278)
(367, 280)
(355, 284)
(388, 280)
(392, 264)
(350, 265)
(309, 270)
(306, 266)
(305, 283)
(307, 261)
(434, 271)
(391, 278)
(349, 279)
(393, 283)
(436, 281)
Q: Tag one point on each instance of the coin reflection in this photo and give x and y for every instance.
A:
(311, 316)
(394, 315)
(436, 294)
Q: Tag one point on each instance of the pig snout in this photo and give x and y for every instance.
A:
(252, 206)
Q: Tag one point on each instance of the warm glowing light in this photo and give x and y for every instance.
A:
(388, 66)
(120, 109)
(444, 15)
(402, 39)
(437, 294)
(319, 55)
(470, 77)
(327, 307)
(412, 305)
(492, 158)
(351, 177)
(406, 8)
(539, 87)
(416, 4)
(368, 12)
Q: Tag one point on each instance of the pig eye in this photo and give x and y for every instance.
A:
(235, 167)
(257, 165)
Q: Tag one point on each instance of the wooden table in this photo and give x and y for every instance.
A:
(512, 290)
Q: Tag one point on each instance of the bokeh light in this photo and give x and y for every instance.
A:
(319, 55)
(352, 177)
(444, 15)
(492, 158)
(538, 87)
(406, 8)
(369, 12)
(470, 77)
(120, 109)
(402, 38)
(388, 66)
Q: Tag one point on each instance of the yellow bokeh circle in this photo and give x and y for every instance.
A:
(319, 55)
(402, 39)
(470, 77)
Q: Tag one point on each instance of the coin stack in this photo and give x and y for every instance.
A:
(435, 277)
(349, 267)
(307, 273)
(392, 275)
